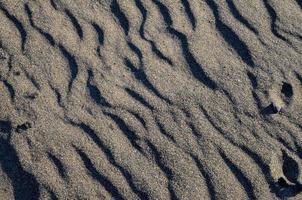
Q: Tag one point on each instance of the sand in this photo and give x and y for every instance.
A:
(150, 99)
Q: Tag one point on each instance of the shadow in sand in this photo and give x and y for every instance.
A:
(269, 110)
(24, 184)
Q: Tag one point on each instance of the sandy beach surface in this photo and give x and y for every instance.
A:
(150, 99)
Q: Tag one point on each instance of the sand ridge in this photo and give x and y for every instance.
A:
(150, 99)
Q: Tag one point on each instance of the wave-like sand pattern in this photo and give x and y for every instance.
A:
(150, 99)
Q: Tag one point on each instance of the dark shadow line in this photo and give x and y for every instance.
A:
(32, 80)
(18, 25)
(166, 170)
(46, 35)
(25, 185)
(73, 66)
(54, 4)
(139, 98)
(92, 135)
(140, 75)
(194, 66)
(189, 13)
(59, 165)
(299, 77)
(164, 131)
(154, 48)
(239, 17)
(273, 15)
(164, 12)
(75, 23)
(263, 167)
(139, 118)
(243, 180)
(136, 50)
(230, 36)
(131, 135)
(99, 32)
(121, 17)
(208, 180)
(103, 180)
(10, 89)
(253, 79)
(58, 95)
(94, 92)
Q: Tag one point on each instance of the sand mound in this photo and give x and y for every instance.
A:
(150, 99)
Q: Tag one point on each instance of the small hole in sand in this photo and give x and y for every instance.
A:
(287, 90)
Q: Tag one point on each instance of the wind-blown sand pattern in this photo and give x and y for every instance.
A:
(150, 99)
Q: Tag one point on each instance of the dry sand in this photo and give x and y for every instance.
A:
(150, 99)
